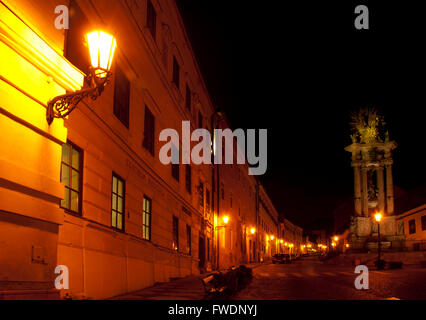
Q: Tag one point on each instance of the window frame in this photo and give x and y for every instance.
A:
(80, 182)
(114, 174)
(151, 135)
(175, 168)
(188, 99)
(410, 223)
(118, 101)
(423, 221)
(149, 213)
(176, 72)
(188, 178)
(188, 240)
(175, 235)
(151, 23)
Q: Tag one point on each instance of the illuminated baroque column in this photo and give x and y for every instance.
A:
(389, 186)
(380, 183)
(357, 187)
(364, 170)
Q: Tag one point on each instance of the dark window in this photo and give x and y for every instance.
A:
(151, 18)
(207, 200)
(200, 119)
(121, 97)
(188, 178)
(175, 171)
(149, 131)
(424, 223)
(201, 194)
(188, 240)
(75, 51)
(175, 243)
(208, 249)
(412, 226)
(146, 218)
(175, 77)
(188, 98)
(71, 176)
(117, 202)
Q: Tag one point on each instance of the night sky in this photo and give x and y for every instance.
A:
(299, 70)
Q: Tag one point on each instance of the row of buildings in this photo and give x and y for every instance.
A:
(88, 192)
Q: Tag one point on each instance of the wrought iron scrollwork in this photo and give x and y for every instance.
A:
(63, 105)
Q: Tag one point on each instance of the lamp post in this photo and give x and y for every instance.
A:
(101, 49)
(378, 217)
(225, 222)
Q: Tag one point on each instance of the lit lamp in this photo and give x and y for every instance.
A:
(101, 49)
(252, 230)
(378, 217)
(272, 237)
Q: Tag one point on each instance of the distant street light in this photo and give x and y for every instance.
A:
(378, 217)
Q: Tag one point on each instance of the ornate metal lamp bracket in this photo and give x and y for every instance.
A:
(63, 105)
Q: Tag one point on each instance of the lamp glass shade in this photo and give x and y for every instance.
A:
(378, 217)
(225, 219)
(102, 48)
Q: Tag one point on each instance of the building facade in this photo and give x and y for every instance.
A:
(89, 192)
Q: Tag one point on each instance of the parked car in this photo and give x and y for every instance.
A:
(281, 258)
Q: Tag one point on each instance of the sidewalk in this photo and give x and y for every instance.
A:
(188, 288)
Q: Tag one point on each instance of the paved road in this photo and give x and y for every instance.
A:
(309, 279)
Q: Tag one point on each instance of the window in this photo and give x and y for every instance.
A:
(188, 240)
(188, 98)
(412, 226)
(149, 131)
(75, 52)
(188, 178)
(71, 176)
(121, 97)
(423, 223)
(117, 202)
(175, 243)
(207, 200)
(146, 218)
(151, 18)
(175, 171)
(201, 195)
(200, 119)
(208, 249)
(175, 76)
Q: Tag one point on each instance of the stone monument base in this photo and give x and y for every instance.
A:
(364, 234)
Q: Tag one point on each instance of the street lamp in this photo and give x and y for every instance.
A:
(101, 49)
(252, 230)
(225, 220)
(378, 217)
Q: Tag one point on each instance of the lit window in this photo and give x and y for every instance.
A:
(117, 202)
(146, 218)
(71, 175)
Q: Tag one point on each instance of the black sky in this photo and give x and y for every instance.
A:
(299, 70)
